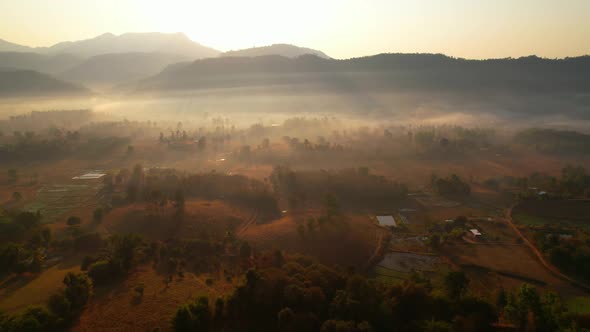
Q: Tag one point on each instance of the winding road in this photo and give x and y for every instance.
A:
(550, 267)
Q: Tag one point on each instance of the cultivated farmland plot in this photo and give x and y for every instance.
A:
(433, 201)
(408, 262)
(55, 200)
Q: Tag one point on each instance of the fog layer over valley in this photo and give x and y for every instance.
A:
(148, 182)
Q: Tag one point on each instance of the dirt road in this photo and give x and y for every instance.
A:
(550, 267)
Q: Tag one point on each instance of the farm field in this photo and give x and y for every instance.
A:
(408, 262)
(558, 213)
(513, 261)
(54, 201)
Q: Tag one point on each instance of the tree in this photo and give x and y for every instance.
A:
(59, 304)
(41, 237)
(78, 289)
(436, 326)
(474, 314)
(101, 271)
(194, 316)
(12, 175)
(531, 311)
(331, 205)
(73, 221)
(286, 318)
(179, 198)
(183, 319)
(202, 143)
(139, 290)
(434, 241)
(301, 230)
(122, 250)
(97, 215)
(28, 219)
(17, 196)
(34, 319)
(456, 283)
(9, 256)
(245, 250)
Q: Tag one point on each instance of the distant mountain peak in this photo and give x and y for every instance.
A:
(177, 43)
(286, 50)
(105, 35)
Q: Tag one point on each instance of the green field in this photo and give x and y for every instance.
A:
(579, 305)
(531, 220)
(55, 200)
(389, 276)
(560, 213)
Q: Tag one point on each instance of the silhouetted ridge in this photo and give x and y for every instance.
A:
(383, 71)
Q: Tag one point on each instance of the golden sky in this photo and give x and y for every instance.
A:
(340, 28)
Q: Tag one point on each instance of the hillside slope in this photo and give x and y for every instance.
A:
(15, 83)
(119, 67)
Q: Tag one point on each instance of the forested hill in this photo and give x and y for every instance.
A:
(384, 71)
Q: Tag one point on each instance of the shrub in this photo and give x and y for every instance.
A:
(78, 289)
(73, 220)
(101, 271)
(60, 305)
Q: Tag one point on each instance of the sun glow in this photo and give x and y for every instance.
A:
(229, 25)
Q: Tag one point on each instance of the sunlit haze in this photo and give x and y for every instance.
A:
(340, 28)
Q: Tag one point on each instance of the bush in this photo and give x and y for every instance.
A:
(60, 305)
(139, 290)
(86, 262)
(101, 271)
(78, 289)
(97, 215)
(73, 220)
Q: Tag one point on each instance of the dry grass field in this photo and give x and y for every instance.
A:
(118, 308)
(202, 218)
(18, 292)
(510, 261)
(348, 240)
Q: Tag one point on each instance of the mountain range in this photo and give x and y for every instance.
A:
(383, 72)
(148, 62)
(109, 60)
(176, 43)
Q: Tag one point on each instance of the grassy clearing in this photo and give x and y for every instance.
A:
(579, 305)
(17, 294)
(564, 213)
(530, 220)
(118, 308)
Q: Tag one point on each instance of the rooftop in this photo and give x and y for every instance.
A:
(93, 175)
(386, 221)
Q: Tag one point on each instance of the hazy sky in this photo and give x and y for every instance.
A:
(341, 28)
